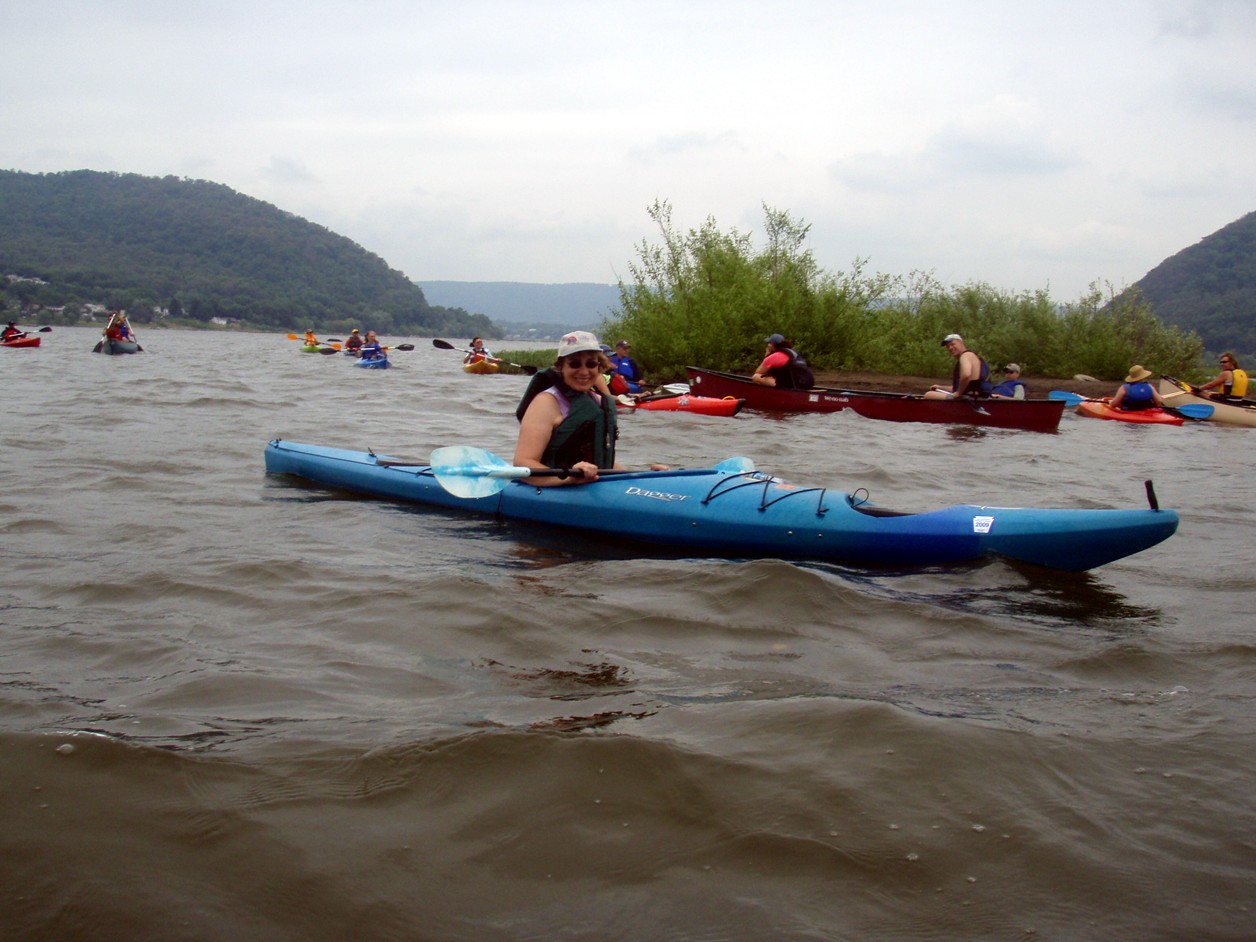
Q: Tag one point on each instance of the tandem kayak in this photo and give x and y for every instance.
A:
(1034, 415)
(1102, 409)
(701, 405)
(715, 511)
(1224, 411)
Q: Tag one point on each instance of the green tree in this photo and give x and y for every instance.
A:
(707, 297)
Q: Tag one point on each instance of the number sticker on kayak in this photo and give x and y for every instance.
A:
(982, 524)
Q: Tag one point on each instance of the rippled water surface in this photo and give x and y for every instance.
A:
(240, 707)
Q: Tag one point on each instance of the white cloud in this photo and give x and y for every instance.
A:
(1020, 143)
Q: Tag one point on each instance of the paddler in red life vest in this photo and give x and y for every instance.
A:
(477, 352)
(11, 331)
(1231, 382)
(782, 366)
(113, 330)
(354, 343)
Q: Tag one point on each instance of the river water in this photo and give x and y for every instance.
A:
(234, 706)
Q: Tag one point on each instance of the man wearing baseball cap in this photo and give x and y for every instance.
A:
(627, 367)
(1011, 387)
(971, 376)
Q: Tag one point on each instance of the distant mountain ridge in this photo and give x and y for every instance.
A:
(199, 250)
(570, 306)
(1210, 288)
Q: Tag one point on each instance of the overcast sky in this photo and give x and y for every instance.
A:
(1027, 144)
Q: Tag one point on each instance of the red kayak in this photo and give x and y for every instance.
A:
(29, 340)
(1035, 415)
(1100, 409)
(702, 405)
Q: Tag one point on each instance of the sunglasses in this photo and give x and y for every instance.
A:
(587, 364)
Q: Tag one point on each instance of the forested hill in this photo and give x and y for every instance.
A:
(1210, 288)
(200, 250)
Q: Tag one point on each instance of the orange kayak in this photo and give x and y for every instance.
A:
(702, 405)
(1099, 409)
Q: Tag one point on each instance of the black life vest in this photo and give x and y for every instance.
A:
(980, 387)
(794, 375)
(588, 431)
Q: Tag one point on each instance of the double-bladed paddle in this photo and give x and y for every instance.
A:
(400, 346)
(471, 473)
(325, 346)
(1197, 411)
(446, 345)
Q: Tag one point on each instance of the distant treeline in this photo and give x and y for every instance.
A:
(198, 250)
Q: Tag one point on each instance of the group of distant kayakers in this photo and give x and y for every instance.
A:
(971, 377)
(364, 348)
(567, 415)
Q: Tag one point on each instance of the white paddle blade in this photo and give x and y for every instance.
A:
(738, 465)
(472, 473)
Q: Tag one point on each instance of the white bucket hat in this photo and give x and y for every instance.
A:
(578, 341)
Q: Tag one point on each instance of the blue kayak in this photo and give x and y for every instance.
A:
(747, 513)
(374, 363)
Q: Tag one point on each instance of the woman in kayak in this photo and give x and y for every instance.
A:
(567, 415)
(371, 349)
(1231, 382)
(1136, 394)
(478, 351)
(311, 340)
